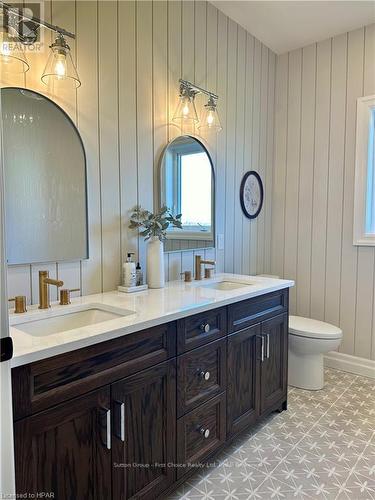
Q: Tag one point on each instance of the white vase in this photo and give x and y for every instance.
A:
(155, 263)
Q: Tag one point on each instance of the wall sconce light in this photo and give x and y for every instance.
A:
(12, 56)
(60, 64)
(186, 107)
(186, 110)
(210, 117)
(23, 29)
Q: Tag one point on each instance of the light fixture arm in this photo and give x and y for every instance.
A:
(36, 20)
(191, 88)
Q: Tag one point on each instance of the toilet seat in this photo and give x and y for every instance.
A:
(313, 329)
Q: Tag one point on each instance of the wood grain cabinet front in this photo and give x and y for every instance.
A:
(200, 329)
(42, 384)
(200, 433)
(65, 451)
(144, 433)
(252, 311)
(273, 368)
(201, 374)
(243, 379)
(257, 372)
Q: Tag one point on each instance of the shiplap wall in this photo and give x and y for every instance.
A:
(312, 223)
(130, 56)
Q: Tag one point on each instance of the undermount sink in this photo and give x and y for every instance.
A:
(91, 315)
(225, 286)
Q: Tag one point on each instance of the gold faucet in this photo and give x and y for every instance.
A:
(44, 281)
(198, 266)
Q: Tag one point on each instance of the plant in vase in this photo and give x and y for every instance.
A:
(154, 229)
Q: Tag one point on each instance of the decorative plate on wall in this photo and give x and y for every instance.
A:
(251, 194)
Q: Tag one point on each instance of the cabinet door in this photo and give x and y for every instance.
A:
(243, 379)
(273, 379)
(66, 450)
(144, 432)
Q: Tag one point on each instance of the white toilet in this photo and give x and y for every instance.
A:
(309, 340)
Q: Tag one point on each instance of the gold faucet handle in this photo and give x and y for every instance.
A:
(208, 272)
(19, 304)
(65, 295)
(187, 276)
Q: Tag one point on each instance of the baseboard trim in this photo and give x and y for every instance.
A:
(351, 364)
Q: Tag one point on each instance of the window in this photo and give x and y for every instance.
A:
(187, 188)
(364, 195)
(195, 178)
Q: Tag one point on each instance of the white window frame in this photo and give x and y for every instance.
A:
(189, 232)
(364, 109)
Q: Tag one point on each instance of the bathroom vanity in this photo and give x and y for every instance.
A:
(130, 406)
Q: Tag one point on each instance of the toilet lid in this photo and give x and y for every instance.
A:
(312, 328)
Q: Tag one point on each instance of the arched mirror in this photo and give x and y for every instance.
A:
(45, 180)
(187, 186)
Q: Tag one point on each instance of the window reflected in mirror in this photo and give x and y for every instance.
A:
(45, 180)
(187, 187)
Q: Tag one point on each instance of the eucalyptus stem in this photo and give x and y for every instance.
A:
(154, 224)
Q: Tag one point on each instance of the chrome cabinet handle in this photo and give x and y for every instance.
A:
(204, 432)
(121, 434)
(261, 347)
(107, 427)
(205, 375)
(267, 346)
(122, 422)
(205, 327)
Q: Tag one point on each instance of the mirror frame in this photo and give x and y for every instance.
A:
(87, 256)
(213, 191)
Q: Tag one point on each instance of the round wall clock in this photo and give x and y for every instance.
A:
(251, 194)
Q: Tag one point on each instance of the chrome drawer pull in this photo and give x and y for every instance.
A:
(205, 432)
(205, 327)
(205, 375)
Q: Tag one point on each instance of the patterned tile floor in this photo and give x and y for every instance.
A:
(323, 447)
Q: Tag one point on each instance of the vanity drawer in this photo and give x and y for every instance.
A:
(200, 329)
(201, 374)
(200, 433)
(45, 383)
(248, 312)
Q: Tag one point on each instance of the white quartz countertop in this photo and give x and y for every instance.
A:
(149, 308)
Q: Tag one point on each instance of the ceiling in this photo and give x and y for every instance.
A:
(287, 25)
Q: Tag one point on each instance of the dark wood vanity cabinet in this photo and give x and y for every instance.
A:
(257, 371)
(243, 379)
(273, 368)
(144, 432)
(65, 451)
(127, 418)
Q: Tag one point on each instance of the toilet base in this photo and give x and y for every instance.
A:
(306, 371)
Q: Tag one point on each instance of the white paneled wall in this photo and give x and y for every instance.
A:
(130, 56)
(313, 189)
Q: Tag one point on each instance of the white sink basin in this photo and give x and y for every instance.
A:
(91, 315)
(225, 286)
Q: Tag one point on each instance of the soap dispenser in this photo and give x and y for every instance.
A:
(129, 272)
(139, 274)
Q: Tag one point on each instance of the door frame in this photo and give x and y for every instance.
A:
(7, 476)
